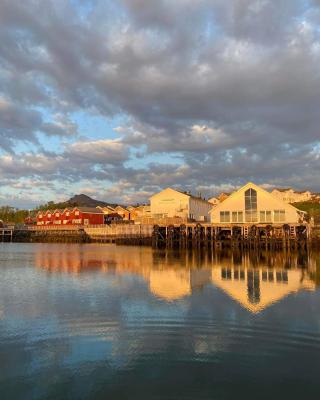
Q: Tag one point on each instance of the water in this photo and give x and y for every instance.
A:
(107, 322)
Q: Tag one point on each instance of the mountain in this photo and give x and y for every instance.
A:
(82, 200)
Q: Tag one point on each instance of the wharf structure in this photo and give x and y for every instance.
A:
(248, 218)
(6, 233)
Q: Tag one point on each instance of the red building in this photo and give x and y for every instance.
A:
(75, 216)
(44, 217)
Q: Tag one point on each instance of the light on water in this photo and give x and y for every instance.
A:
(106, 322)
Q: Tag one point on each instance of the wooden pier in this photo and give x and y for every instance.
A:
(241, 236)
(6, 233)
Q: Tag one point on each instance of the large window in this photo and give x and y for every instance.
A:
(279, 215)
(237, 216)
(250, 197)
(224, 216)
(265, 216)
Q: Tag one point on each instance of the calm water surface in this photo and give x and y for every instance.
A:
(107, 322)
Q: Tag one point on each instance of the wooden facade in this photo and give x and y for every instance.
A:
(72, 216)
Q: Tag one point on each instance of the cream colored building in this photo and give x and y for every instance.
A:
(170, 203)
(214, 201)
(252, 204)
(291, 196)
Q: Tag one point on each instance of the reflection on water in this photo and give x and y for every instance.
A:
(105, 322)
(255, 280)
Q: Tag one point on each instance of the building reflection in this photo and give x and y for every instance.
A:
(254, 280)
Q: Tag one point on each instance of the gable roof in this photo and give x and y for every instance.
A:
(181, 192)
(258, 188)
(120, 208)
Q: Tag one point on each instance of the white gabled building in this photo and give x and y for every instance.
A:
(170, 203)
(252, 204)
(292, 196)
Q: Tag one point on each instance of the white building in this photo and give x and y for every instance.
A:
(214, 201)
(289, 195)
(170, 203)
(252, 204)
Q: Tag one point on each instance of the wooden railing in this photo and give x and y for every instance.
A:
(119, 231)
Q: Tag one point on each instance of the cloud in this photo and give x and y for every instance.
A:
(105, 151)
(230, 88)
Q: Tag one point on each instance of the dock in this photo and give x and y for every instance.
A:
(6, 233)
(189, 235)
(274, 236)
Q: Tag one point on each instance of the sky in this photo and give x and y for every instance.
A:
(118, 99)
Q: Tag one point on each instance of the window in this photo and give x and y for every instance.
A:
(237, 216)
(250, 197)
(224, 216)
(279, 215)
(265, 216)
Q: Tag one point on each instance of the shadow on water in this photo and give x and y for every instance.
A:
(100, 321)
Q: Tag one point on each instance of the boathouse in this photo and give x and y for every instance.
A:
(252, 204)
(73, 216)
(171, 203)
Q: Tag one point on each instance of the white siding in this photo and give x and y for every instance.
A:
(171, 203)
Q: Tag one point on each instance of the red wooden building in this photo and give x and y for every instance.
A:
(72, 216)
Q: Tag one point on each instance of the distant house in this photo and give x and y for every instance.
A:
(106, 209)
(170, 203)
(123, 212)
(252, 204)
(139, 212)
(214, 201)
(222, 196)
(288, 195)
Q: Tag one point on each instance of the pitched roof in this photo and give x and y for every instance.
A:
(184, 193)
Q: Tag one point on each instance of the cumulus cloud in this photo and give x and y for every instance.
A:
(231, 88)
